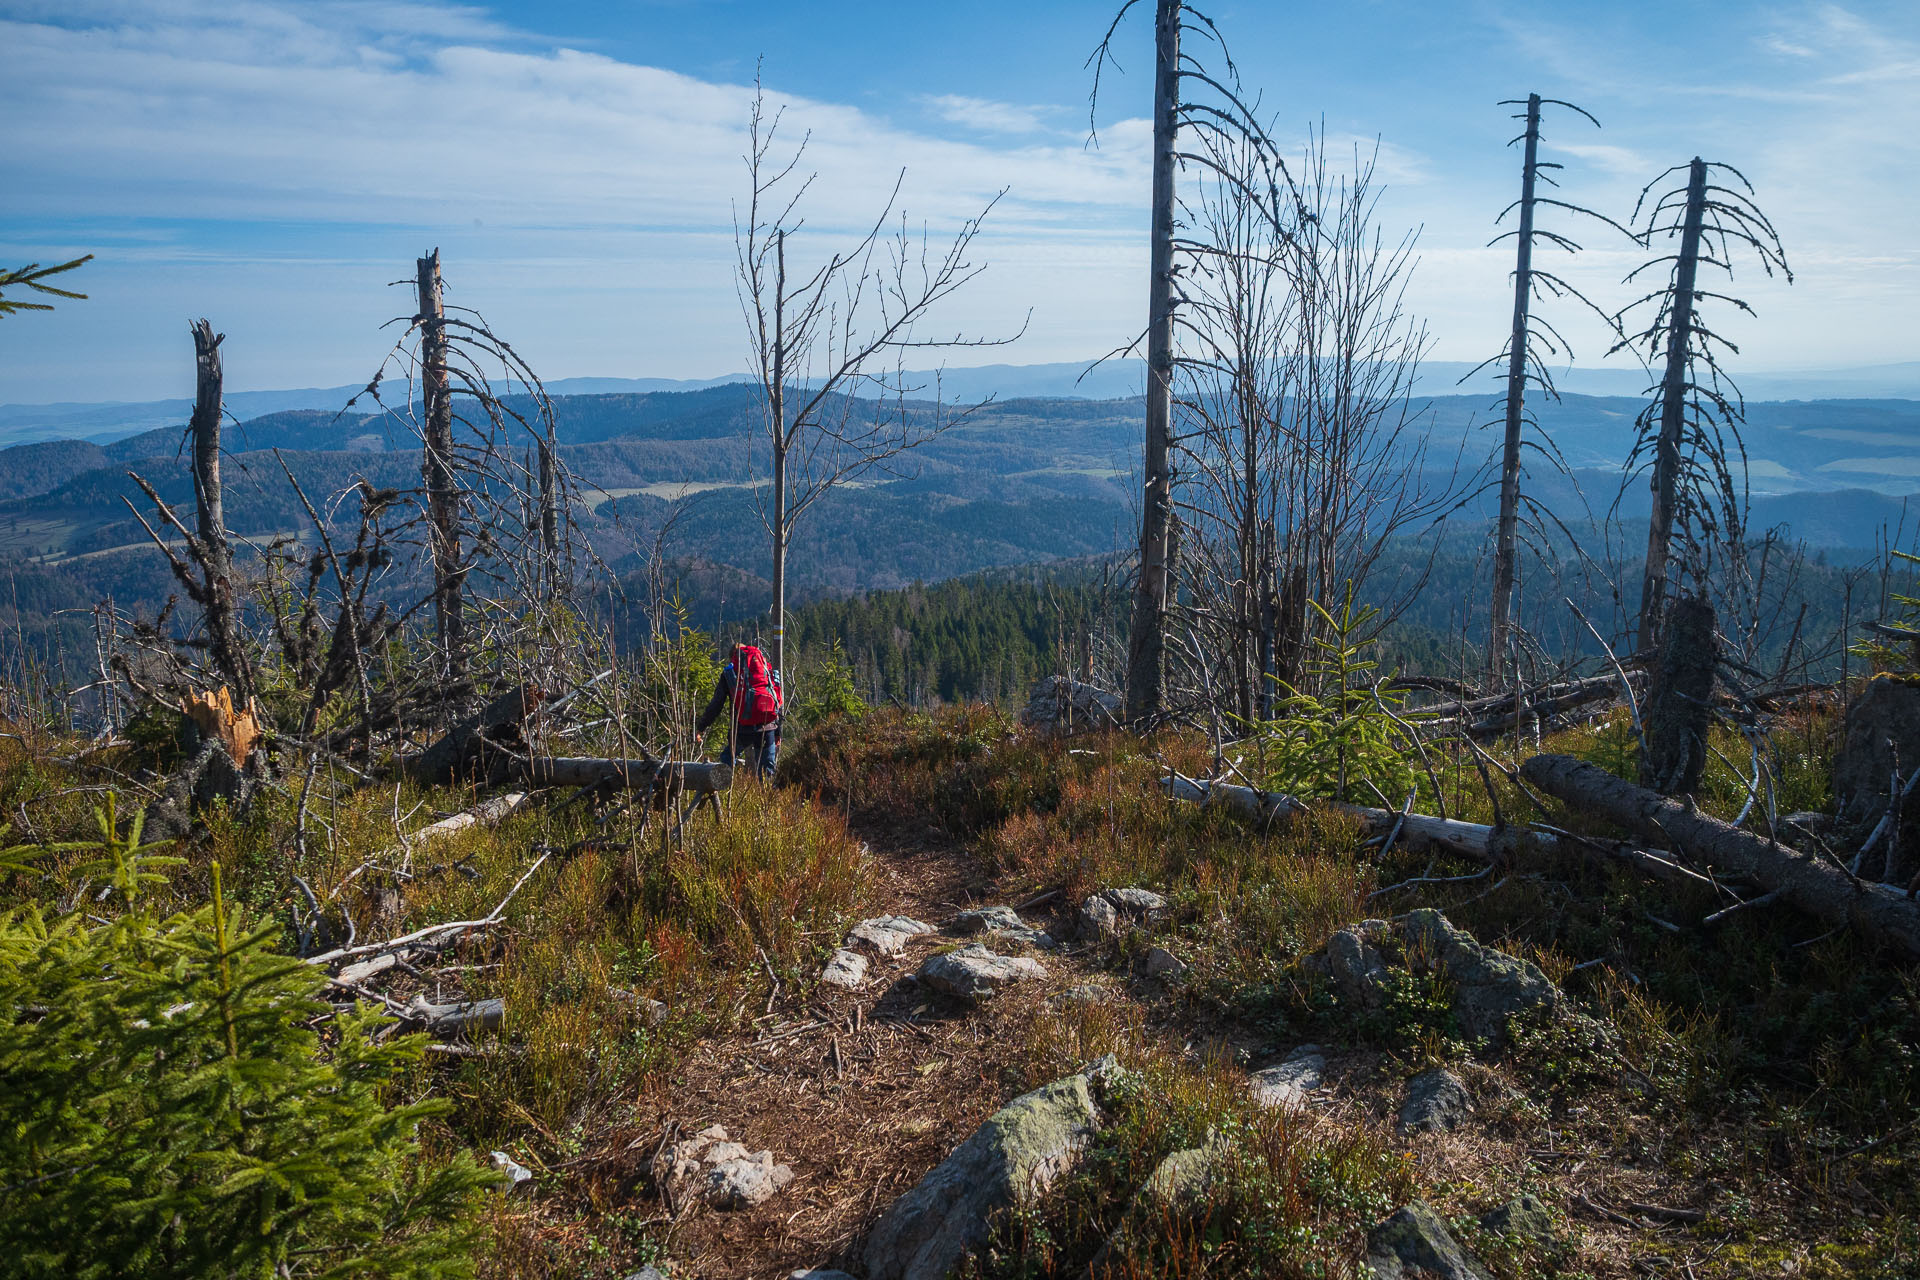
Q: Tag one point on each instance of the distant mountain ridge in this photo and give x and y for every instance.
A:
(1110, 380)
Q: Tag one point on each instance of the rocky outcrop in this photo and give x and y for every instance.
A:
(973, 973)
(1415, 1243)
(1061, 706)
(1436, 1101)
(1488, 986)
(1008, 1162)
(1290, 1082)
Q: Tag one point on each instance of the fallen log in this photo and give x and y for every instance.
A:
(485, 814)
(449, 1020)
(1424, 833)
(663, 777)
(473, 748)
(1803, 880)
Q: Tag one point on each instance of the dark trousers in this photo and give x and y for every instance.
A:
(755, 747)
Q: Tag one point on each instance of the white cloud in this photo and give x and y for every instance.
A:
(986, 116)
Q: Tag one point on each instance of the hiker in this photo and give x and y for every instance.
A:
(753, 689)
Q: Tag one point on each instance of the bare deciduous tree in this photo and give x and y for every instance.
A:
(827, 345)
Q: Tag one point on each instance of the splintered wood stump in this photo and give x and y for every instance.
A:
(1803, 880)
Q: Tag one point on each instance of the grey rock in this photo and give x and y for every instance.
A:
(1437, 1100)
(819, 1273)
(1008, 1162)
(845, 969)
(647, 1273)
(1106, 1078)
(1489, 987)
(1062, 706)
(743, 1181)
(1184, 1181)
(986, 919)
(1162, 963)
(974, 973)
(886, 935)
(1415, 1242)
(1523, 1216)
(1289, 1082)
(1136, 903)
(518, 1175)
(682, 1159)
(1106, 911)
(1354, 965)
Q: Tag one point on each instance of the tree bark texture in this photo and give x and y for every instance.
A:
(1146, 639)
(216, 555)
(470, 750)
(1679, 711)
(437, 467)
(1507, 536)
(1803, 880)
(1673, 412)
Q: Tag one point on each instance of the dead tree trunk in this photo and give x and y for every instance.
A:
(215, 553)
(437, 469)
(1679, 710)
(777, 407)
(1673, 411)
(1146, 641)
(473, 748)
(1803, 880)
(1507, 535)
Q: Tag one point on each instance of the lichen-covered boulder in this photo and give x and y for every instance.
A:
(1008, 1162)
(1414, 1243)
(886, 935)
(1489, 986)
(1436, 1101)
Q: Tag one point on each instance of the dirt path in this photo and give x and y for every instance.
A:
(859, 1092)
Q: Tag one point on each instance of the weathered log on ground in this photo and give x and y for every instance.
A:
(478, 746)
(1424, 833)
(449, 1020)
(1804, 880)
(488, 813)
(663, 777)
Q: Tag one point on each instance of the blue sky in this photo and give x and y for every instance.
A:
(274, 165)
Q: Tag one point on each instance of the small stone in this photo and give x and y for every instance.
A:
(682, 1160)
(1355, 966)
(845, 969)
(886, 935)
(1140, 904)
(1085, 993)
(745, 1181)
(1288, 1083)
(1415, 1242)
(518, 1175)
(1437, 1100)
(1098, 919)
(1523, 1216)
(1183, 1181)
(647, 1273)
(1162, 963)
(973, 973)
(986, 919)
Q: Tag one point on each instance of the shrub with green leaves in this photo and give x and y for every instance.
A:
(167, 1107)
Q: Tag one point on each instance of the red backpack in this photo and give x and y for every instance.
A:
(756, 698)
